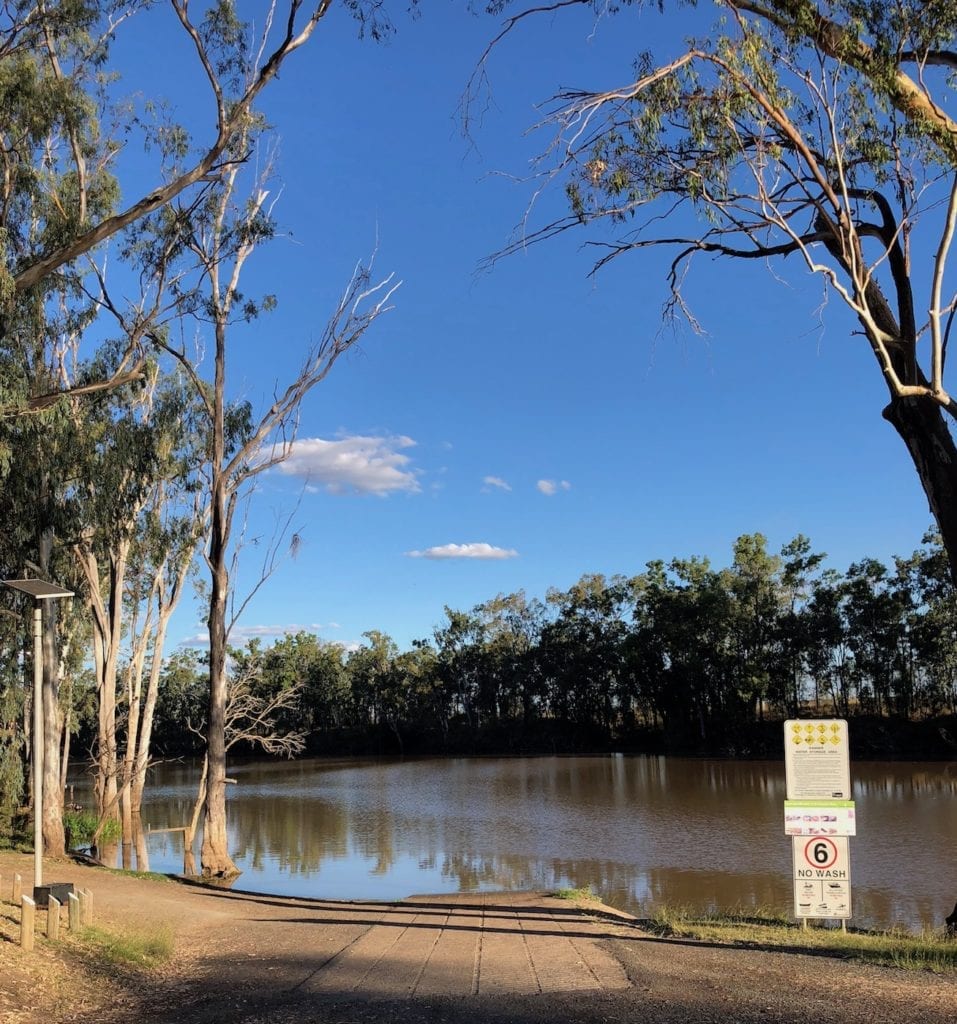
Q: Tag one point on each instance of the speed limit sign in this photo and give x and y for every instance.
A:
(820, 853)
(822, 876)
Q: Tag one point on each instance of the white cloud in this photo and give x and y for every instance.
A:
(358, 465)
(481, 550)
(495, 481)
(240, 634)
(549, 487)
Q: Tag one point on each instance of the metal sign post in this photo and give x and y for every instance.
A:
(819, 815)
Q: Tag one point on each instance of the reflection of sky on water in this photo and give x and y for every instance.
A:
(640, 831)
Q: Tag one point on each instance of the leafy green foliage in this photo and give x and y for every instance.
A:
(684, 656)
(81, 828)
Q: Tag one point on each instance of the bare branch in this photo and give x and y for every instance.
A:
(940, 262)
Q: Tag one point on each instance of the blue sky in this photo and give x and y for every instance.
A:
(541, 415)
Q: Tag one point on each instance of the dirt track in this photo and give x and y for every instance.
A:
(469, 958)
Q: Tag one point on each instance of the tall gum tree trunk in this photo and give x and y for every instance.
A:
(216, 862)
(54, 837)
(922, 427)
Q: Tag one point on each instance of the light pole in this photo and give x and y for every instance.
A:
(40, 591)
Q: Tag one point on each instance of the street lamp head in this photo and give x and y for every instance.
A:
(39, 590)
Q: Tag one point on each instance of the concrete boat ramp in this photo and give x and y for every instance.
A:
(459, 945)
(450, 945)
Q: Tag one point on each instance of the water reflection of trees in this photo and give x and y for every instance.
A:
(294, 835)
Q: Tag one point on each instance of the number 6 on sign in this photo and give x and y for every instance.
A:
(821, 853)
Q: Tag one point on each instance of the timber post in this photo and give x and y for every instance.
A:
(28, 917)
(17, 887)
(53, 919)
(86, 908)
(74, 912)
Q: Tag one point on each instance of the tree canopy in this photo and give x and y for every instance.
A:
(815, 131)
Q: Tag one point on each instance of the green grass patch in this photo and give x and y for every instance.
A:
(81, 826)
(127, 949)
(584, 893)
(769, 929)
(151, 876)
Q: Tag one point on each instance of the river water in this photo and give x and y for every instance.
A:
(640, 831)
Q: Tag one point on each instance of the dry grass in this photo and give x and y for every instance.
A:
(767, 929)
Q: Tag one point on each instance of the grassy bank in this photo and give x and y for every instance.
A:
(105, 948)
(762, 929)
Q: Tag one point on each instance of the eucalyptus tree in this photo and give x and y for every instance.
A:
(124, 443)
(11, 723)
(799, 564)
(513, 629)
(325, 697)
(65, 121)
(817, 130)
(459, 643)
(369, 667)
(33, 516)
(408, 690)
(315, 665)
(932, 626)
(65, 192)
(645, 658)
(586, 637)
(829, 653)
(222, 233)
(702, 646)
(251, 717)
(752, 583)
(139, 516)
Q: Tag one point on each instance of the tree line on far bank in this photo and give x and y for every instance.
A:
(683, 657)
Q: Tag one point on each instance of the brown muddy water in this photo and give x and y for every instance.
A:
(641, 831)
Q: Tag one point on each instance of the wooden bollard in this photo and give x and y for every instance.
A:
(53, 919)
(17, 888)
(74, 903)
(86, 908)
(28, 917)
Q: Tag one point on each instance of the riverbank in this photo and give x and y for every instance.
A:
(872, 738)
(472, 958)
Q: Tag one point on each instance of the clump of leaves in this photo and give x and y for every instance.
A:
(81, 826)
(584, 893)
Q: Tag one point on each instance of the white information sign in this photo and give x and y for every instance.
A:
(819, 818)
(822, 877)
(816, 759)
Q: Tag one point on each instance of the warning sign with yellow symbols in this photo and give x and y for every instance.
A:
(816, 759)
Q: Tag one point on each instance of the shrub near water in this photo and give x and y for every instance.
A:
(770, 929)
(80, 826)
(584, 893)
